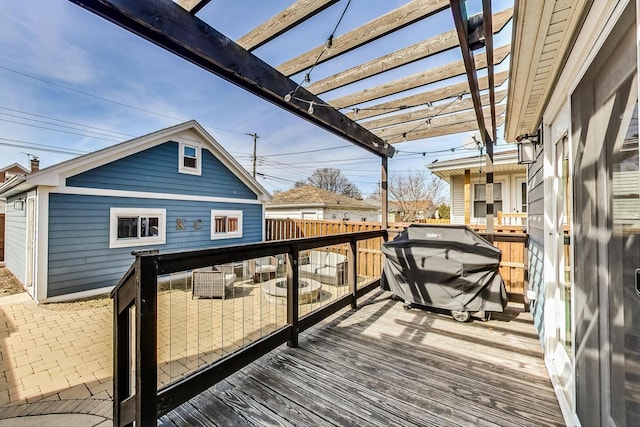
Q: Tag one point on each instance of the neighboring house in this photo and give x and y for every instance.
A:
(411, 210)
(7, 173)
(466, 179)
(574, 84)
(174, 189)
(308, 202)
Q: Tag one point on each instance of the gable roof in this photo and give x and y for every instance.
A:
(14, 168)
(56, 175)
(310, 196)
(505, 161)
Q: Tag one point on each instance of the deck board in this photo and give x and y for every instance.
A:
(382, 365)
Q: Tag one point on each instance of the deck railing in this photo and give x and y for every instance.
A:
(170, 344)
(511, 239)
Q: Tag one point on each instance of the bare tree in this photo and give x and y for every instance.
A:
(416, 194)
(333, 180)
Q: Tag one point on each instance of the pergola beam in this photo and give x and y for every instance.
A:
(395, 20)
(488, 41)
(433, 132)
(459, 12)
(404, 130)
(171, 27)
(424, 78)
(421, 50)
(193, 6)
(429, 112)
(422, 98)
(289, 18)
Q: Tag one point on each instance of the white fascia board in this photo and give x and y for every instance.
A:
(471, 162)
(57, 174)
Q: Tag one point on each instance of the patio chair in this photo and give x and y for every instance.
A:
(214, 283)
(265, 269)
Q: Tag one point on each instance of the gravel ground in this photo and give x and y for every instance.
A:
(9, 285)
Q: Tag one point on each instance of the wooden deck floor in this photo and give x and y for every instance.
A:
(383, 365)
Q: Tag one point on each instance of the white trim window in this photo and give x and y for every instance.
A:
(226, 224)
(480, 199)
(190, 161)
(137, 227)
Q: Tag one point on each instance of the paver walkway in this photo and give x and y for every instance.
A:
(55, 361)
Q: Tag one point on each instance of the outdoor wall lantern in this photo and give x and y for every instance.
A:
(18, 204)
(527, 148)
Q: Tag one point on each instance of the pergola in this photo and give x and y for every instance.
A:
(398, 117)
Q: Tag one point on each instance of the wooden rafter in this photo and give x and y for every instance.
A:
(459, 12)
(423, 98)
(488, 36)
(407, 55)
(469, 126)
(432, 75)
(389, 132)
(395, 20)
(292, 16)
(193, 6)
(454, 106)
(192, 39)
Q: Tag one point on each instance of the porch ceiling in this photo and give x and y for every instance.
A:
(543, 35)
(371, 102)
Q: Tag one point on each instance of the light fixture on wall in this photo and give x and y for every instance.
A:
(527, 148)
(18, 204)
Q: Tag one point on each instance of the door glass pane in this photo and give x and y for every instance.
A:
(624, 253)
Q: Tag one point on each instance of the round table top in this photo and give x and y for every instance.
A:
(306, 286)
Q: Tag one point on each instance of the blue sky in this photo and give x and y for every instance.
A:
(72, 83)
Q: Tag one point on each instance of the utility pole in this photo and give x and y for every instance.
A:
(255, 142)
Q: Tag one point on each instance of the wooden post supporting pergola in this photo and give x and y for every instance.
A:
(462, 26)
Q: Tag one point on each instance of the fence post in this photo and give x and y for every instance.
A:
(292, 294)
(146, 340)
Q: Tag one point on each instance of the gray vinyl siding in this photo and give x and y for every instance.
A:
(16, 239)
(155, 170)
(79, 255)
(457, 199)
(535, 208)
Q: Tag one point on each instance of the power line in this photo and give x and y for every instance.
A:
(122, 104)
(55, 124)
(63, 121)
(62, 131)
(41, 147)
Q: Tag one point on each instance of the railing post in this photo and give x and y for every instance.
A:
(121, 352)
(292, 294)
(146, 340)
(352, 272)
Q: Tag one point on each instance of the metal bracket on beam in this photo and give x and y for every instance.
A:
(476, 32)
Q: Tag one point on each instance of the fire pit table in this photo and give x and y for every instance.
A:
(275, 290)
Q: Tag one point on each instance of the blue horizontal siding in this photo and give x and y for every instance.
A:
(79, 255)
(16, 238)
(156, 170)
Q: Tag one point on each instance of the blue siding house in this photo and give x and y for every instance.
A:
(71, 227)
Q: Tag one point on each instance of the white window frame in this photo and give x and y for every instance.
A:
(185, 169)
(115, 213)
(226, 235)
(473, 198)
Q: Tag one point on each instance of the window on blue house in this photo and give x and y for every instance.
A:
(190, 161)
(226, 224)
(137, 227)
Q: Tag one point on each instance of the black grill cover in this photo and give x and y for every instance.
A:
(444, 266)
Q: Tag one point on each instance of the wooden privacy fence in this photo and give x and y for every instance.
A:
(512, 241)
